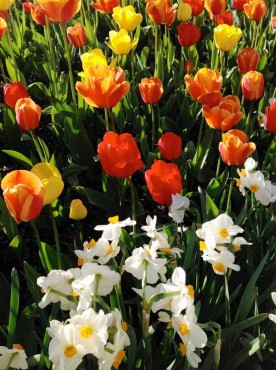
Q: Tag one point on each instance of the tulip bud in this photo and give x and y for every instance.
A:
(3, 27)
(170, 146)
(252, 84)
(215, 7)
(189, 67)
(184, 12)
(76, 35)
(27, 7)
(27, 114)
(248, 59)
(151, 90)
(38, 14)
(77, 210)
(14, 91)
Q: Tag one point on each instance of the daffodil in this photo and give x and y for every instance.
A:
(13, 358)
(112, 230)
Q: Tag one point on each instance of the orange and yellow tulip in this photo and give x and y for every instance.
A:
(252, 84)
(235, 148)
(3, 27)
(161, 12)
(23, 193)
(255, 9)
(105, 6)
(151, 90)
(27, 114)
(60, 11)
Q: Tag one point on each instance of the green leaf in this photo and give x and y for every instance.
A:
(245, 324)
(14, 306)
(98, 199)
(21, 158)
(203, 150)
(72, 169)
(16, 242)
(212, 210)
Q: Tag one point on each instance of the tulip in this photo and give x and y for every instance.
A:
(151, 90)
(161, 12)
(170, 146)
(226, 37)
(163, 180)
(51, 180)
(27, 7)
(255, 9)
(119, 155)
(38, 14)
(23, 193)
(104, 86)
(273, 22)
(95, 56)
(120, 42)
(5, 5)
(225, 18)
(105, 6)
(247, 60)
(3, 27)
(60, 11)
(77, 210)
(189, 66)
(224, 115)
(235, 148)
(4, 15)
(252, 84)
(27, 114)
(127, 18)
(76, 35)
(197, 6)
(184, 12)
(270, 117)
(188, 34)
(205, 86)
(238, 4)
(215, 7)
(14, 91)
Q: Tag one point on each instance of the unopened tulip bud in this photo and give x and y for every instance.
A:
(184, 12)
(77, 210)
(189, 67)
(76, 35)
(27, 114)
(252, 84)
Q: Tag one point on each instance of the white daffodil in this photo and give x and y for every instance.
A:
(189, 352)
(108, 250)
(190, 333)
(65, 349)
(116, 324)
(55, 287)
(178, 207)
(92, 330)
(150, 228)
(83, 288)
(272, 316)
(148, 293)
(221, 261)
(145, 259)
(88, 253)
(112, 230)
(14, 358)
(238, 242)
(113, 354)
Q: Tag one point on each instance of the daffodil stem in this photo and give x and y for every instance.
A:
(37, 146)
(227, 302)
(118, 290)
(145, 325)
(56, 236)
(68, 56)
(133, 204)
(97, 282)
(228, 206)
(42, 255)
(10, 361)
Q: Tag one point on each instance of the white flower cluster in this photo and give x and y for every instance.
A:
(263, 190)
(216, 234)
(169, 298)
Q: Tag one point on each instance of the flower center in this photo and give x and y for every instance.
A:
(237, 248)
(191, 291)
(202, 246)
(17, 346)
(110, 249)
(166, 250)
(113, 220)
(183, 329)
(70, 350)
(223, 233)
(86, 332)
(183, 349)
(124, 326)
(91, 244)
(218, 267)
(254, 188)
(243, 172)
(118, 359)
(80, 261)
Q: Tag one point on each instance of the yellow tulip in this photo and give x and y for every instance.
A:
(95, 56)
(120, 42)
(5, 5)
(77, 210)
(226, 37)
(51, 180)
(126, 17)
(184, 12)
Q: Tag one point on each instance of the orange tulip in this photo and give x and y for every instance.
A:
(104, 86)
(60, 11)
(76, 35)
(205, 86)
(197, 6)
(248, 59)
(273, 22)
(170, 146)
(23, 193)
(151, 90)
(215, 7)
(252, 84)
(235, 148)
(3, 27)
(27, 114)
(38, 14)
(161, 12)
(14, 91)
(163, 180)
(270, 113)
(119, 155)
(105, 6)
(255, 9)
(224, 115)
(188, 34)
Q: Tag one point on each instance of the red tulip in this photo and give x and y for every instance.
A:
(188, 34)
(163, 180)
(225, 18)
(119, 155)
(248, 59)
(27, 7)
(238, 4)
(23, 193)
(270, 113)
(197, 6)
(105, 6)
(215, 7)
(189, 66)
(76, 35)
(14, 91)
(170, 146)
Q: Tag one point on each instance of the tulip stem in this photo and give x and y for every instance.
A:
(3, 72)
(111, 119)
(218, 167)
(153, 128)
(68, 56)
(51, 55)
(248, 123)
(37, 146)
(16, 70)
(228, 206)
(56, 236)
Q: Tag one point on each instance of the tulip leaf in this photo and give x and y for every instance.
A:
(16, 242)
(98, 199)
(7, 223)
(21, 158)
(72, 169)
(14, 306)
(212, 210)
(203, 150)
